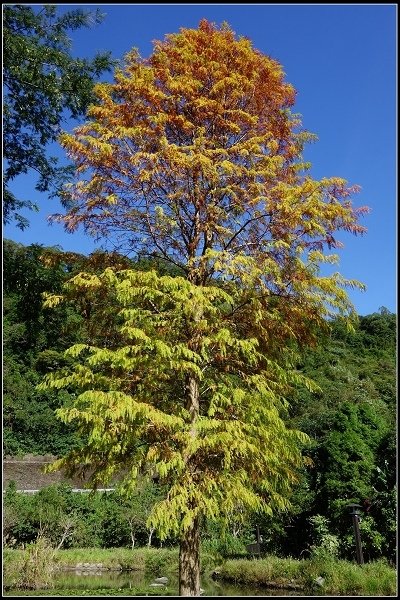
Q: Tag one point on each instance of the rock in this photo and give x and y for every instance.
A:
(163, 580)
(319, 581)
(89, 567)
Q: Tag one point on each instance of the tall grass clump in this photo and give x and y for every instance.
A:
(344, 578)
(31, 568)
(261, 571)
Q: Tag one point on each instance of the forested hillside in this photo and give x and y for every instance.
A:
(351, 421)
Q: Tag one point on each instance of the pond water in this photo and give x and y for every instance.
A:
(134, 583)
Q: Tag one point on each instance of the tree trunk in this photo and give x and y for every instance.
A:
(150, 536)
(189, 561)
(189, 549)
(133, 537)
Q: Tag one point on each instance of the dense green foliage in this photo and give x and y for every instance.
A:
(351, 421)
(43, 84)
(32, 345)
(80, 520)
(34, 342)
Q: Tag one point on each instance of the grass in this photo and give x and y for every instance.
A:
(154, 561)
(340, 577)
(140, 559)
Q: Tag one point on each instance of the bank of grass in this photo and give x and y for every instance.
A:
(151, 560)
(154, 561)
(339, 577)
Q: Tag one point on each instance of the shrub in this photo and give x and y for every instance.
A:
(326, 545)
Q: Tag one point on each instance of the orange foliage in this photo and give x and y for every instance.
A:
(195, 151)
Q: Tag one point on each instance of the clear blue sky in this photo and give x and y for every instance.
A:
(342, 61)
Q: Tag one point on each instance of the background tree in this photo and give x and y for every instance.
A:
(43, 84)
(195, 157)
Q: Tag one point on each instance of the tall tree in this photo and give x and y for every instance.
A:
(179, 387)
(194, 156)
(42, 84)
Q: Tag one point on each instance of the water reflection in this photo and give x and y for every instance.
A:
(139, 582)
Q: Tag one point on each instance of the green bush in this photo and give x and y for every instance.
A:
(224, 546)
(326, 545)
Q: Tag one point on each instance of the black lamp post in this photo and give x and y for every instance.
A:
(354, 510)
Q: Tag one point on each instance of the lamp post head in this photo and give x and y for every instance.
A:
(354, 509)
